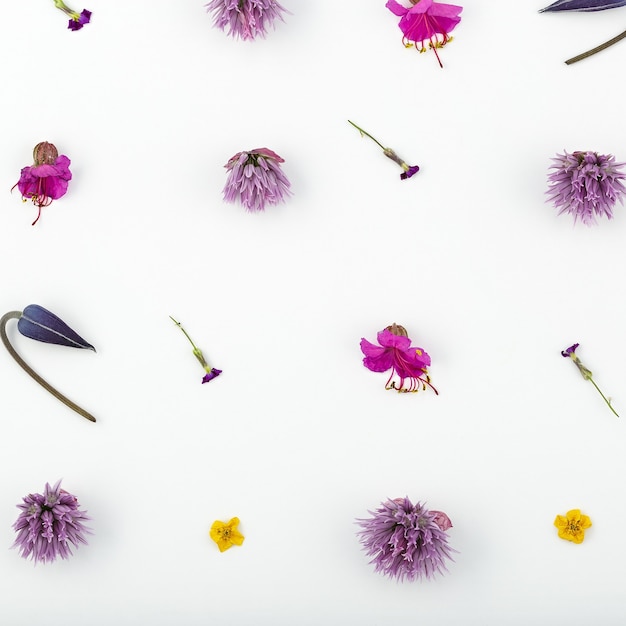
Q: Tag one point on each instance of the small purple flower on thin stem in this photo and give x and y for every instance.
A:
(77, 20)
(38, 323)
(246, 19)
(211, 372)
(586, 185)
(406, 541)
(395, 353)
(585, 373)
(255, 179)
(46, 180)
(49, 524)
(409, 170)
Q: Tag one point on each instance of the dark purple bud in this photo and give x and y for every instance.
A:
(38, 323)
(211, 375)
(83, 19)
(583, 5)
(568, 353)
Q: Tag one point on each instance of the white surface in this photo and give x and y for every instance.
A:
(296, 437)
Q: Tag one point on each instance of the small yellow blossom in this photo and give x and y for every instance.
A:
(572, 526)
(226, 535)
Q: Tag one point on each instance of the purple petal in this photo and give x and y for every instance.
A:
(583, 5)
(40, 324)
(214, 373)
(568, 353)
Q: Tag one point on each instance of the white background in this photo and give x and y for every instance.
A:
(296, 437)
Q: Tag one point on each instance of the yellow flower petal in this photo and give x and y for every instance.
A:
(225, 534)
(572, 526)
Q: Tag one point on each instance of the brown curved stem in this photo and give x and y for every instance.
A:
(31, 372)
(599, 48)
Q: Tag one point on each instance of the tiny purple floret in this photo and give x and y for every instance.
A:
(571, 350)
(49, 524)
(413, 169)
(83, 18)
(209, 376)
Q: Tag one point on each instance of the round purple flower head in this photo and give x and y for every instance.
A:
(586, 185)
(255, 179)
(246, 19)
(406, 540)
(48, 524)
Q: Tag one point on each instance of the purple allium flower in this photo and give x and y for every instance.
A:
(246, 19)
(395, 353)
(405, 540)
(48, 524)
(426, 23)
(586, 184)
(255, 179)
(46, 180)
(583, 5)
(209, 376)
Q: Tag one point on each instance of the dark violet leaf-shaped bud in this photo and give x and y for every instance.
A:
(40, 324)
(583, 5)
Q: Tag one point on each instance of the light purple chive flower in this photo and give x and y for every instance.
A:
(583, 5)
(586, 184)
(246, 19)
(255, 179)
(48, 524)
(406, 540)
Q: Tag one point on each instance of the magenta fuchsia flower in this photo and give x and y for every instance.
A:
(246, 19)
(49, 524)
(395, 353)
(586, 185)
(255, 179)
(47, 179)
(77, 20)
(406, 541)
(426, 23)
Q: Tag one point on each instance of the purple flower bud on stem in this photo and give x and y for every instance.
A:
(211, 372)
(40, 324)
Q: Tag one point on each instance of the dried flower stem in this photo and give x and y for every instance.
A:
(364, 132)
(599, 48)
(196, 351)
(31, 372)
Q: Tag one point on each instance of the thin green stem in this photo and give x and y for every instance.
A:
(599, 48)
(31, 372)
(608, 402)
(364, 132)
(184, 331)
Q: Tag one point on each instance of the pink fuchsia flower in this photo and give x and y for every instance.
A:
(426, 23)
(46, 180)
(395, 353)
(408, 170)
(406, 541)
(255, 179)
(586, 185)
(246, 19)
(77, 20)
(49, 524)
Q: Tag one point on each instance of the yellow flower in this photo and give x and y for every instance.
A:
(572, 526)
(226, 535)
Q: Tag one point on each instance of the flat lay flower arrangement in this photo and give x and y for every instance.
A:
(334, 433)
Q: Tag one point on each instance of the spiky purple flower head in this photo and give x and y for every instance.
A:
(255, 179)
(246, 19)
(586, 184)
(48, 524)
(406, 540)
